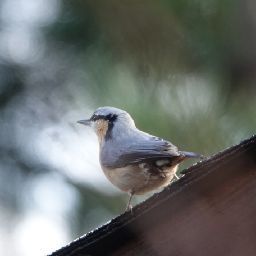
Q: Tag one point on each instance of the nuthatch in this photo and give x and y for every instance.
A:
(134, 161)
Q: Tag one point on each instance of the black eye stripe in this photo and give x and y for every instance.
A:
(109, 117)
(94, 117)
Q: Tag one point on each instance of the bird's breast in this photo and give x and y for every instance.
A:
(139, 178)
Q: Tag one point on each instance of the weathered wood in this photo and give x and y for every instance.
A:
(209, 211)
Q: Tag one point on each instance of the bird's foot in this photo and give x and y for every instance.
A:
(128, 208)
(176, 176)
(129, 205)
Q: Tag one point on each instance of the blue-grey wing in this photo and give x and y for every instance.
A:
(148, 150)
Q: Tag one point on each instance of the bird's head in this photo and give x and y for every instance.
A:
(106, 120)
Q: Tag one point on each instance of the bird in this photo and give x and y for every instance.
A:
(134, 161)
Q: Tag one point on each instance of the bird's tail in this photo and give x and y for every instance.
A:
(191, 154)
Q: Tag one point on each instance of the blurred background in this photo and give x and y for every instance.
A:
(184, 69)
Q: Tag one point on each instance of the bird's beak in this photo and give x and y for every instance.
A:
(85, 122)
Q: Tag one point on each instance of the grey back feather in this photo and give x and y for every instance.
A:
(134, 148)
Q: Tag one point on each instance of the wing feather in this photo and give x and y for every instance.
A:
(152, 149)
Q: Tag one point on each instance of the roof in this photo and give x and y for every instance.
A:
(209, 211)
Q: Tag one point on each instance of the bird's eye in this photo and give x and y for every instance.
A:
(111, 117)
(94, 117)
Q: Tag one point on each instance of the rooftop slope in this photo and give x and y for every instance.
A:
(211, 210)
